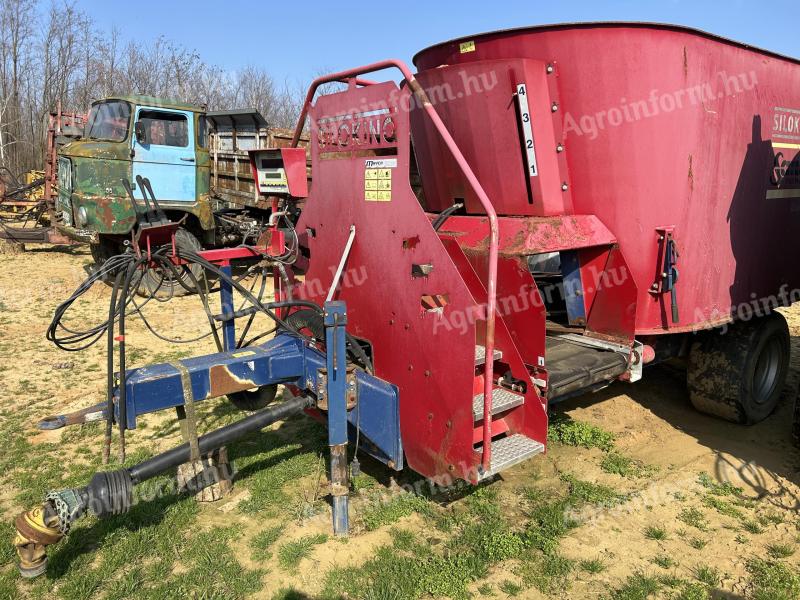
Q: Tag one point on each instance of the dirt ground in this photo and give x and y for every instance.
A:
(666, 527)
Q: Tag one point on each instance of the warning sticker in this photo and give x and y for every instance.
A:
(465, 47)
(378, 185)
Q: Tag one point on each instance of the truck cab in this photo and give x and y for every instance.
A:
(164, 141)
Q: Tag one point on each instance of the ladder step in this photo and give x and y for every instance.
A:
(511, 450)
(480, 355)
(502, 400)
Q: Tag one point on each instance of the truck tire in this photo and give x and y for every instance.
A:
(166, 286)
(739, 375)
(104, 250)
(256, 399)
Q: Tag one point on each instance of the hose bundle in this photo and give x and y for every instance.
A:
(127, 271)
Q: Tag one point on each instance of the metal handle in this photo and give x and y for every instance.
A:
(187, 159)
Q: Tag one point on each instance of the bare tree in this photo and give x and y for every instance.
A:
(56, 54)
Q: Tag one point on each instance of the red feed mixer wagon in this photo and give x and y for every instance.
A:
(645, 190)
(535, 214)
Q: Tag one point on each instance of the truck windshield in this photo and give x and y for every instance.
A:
(109, 121)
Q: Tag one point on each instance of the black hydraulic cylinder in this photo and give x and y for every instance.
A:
(217, 438)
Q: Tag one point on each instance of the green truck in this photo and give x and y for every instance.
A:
(196, 162)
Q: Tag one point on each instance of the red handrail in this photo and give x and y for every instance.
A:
(491, 287)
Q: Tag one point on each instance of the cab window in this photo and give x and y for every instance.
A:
(108, 121)
(164, 129)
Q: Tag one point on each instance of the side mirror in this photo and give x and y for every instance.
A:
(141, 133)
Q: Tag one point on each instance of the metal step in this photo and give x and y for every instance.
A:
(502, 400)
(511, 450)
(480, 355)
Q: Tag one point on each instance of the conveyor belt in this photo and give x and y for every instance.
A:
(574, 368)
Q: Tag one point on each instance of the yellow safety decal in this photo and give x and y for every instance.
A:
(465, 47)
(241, 354)
(378, 185)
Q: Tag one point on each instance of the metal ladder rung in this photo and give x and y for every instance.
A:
(480, 354)
(502, 400)
(511, 450)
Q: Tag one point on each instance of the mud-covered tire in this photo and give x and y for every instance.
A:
(739, 375)
(165, 287)
(257, 399)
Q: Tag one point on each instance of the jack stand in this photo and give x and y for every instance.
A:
(335, 321)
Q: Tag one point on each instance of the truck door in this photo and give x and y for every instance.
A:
(163, 151)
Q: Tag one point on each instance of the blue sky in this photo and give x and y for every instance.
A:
(296, 40)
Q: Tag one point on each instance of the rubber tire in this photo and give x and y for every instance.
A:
(721, 372)
(104, 250)
(256, 399)
(186, 241)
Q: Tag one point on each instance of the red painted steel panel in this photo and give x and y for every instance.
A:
(661, 126)
(427, 352)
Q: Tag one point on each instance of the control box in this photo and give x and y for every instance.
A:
(280, 171)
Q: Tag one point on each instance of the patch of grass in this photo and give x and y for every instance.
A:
(402, 539)
(548, 573)
(586, 492)
(697, 543)
(7, 552)
(8, 584)
(406, 575)
(267, 463)
(618, 464)
(772, 580)
(664, 561)
(482, 502)
(707, 575)
(213, 571)
(723, 507)
(638, 586)
(655, 533)
(741, 539)
(593, 566)
(486, 589)
(694, 517)
(751, 526)
(671, 580)
(263, 541)
(725, 488)
(692, 591)
(771, 518)
(411, 568)
(510, 588)
(549, 523)
(491, 540)
(291, 553)
(780, 550)
(378, 513)
(569, 432)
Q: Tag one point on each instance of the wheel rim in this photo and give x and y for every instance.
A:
(767, 371)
